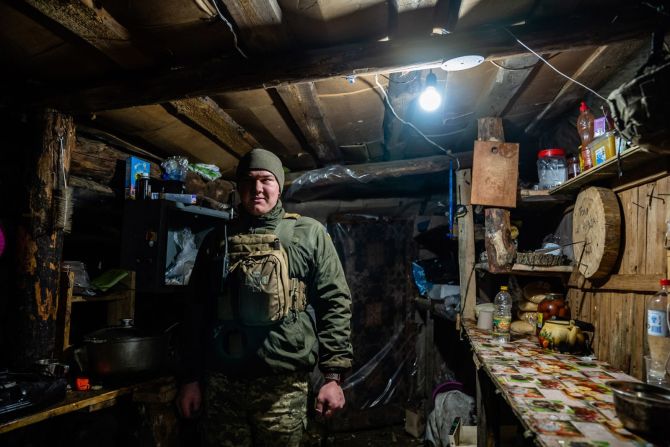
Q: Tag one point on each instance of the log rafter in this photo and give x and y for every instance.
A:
(92, 23)
(302, 102)
(371, 57)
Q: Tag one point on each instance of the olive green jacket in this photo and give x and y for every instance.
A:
(290, 345)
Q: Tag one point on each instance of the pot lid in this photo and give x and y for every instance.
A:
(125, 332)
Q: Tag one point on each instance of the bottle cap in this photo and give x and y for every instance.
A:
(665, 282)
(583, 107)
(504, 288)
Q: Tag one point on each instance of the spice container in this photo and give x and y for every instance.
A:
(574, 168)
(552, 168)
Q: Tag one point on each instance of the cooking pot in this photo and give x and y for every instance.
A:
(643, 409)
(125, 350)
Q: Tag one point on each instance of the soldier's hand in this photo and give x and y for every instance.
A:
(330, 399)
(189, 399)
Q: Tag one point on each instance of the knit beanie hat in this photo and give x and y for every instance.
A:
(261, 159)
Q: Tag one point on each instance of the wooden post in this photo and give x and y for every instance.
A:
(39, 242)
(499, 247)
(466, 245)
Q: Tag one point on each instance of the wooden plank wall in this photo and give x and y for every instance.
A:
(619, 315)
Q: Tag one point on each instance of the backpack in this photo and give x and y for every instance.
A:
(257, 289)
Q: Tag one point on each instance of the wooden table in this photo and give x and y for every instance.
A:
(162, 388)
(559, 399)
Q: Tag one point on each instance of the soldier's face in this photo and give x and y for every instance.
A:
(259, 192)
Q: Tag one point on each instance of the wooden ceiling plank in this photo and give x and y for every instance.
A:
(89, 21)
(499, 94)
(302, 102)
(411, 17)
(593, 72)
(260, 24)
(362, 58)
(205, 115)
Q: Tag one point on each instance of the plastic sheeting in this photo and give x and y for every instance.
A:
(369, 180)
(374, 250)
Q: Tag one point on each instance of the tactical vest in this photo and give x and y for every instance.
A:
(257, 289)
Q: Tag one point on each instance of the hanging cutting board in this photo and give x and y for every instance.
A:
(596, 231)
(495, 171)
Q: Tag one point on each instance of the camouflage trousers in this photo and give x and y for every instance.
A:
(267, 411)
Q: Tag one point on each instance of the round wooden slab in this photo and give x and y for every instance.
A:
(596, 231)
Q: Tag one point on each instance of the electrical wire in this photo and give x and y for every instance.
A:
(554, 68)
(407, 123)
(230, 26)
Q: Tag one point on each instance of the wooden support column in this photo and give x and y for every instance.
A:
(39, 243)
(466, 245)
(499, 247)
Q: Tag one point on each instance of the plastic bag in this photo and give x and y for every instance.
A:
(175, 168)
(420, 279)
(82, 283)
(179, 272)
(208, 172)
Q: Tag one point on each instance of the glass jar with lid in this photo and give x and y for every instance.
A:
(552, 168)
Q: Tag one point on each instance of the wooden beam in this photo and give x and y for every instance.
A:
(88, 20)
(260, 24)
(39, 244)
(307, 66)
(411, 17)
(85, 19)
(498, 241)
(205, 115)
(302, 102)
(596, 69)
(466, 245)
(621, 283)
(499, 95)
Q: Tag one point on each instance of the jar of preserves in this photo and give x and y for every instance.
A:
(552, 307)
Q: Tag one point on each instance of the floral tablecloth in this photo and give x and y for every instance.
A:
(563, 399)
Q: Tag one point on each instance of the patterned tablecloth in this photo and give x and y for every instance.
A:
(563, 399)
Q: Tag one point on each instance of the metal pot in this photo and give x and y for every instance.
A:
(124, 350)
(643, 409)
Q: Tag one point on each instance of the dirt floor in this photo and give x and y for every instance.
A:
(380, 437)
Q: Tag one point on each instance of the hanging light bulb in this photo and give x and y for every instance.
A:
(430, 98)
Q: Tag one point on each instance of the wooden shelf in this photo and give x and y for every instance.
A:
(630, 159)
(120, 303)
(522, 269)
(531, 197)
(112, 296)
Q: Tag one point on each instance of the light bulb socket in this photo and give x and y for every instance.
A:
(431, 79)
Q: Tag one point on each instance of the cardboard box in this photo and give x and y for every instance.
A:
(135, 167)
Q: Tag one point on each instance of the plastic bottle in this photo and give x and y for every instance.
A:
(585, 130)
(657, 341)
(502, 316)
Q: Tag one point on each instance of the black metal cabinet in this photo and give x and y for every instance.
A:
(150, 246)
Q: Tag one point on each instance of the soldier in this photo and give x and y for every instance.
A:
(249, 344)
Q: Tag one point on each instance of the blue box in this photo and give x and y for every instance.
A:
(135, 167)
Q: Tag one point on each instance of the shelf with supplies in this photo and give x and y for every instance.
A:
(530, 270)
(119, 304)
(630, 158)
